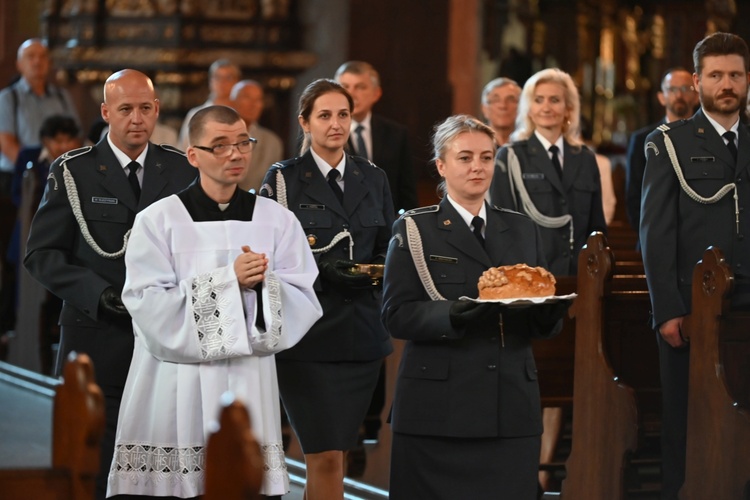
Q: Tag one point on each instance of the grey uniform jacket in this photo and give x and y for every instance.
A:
(578, 194)
(461, 382)
(675, 230)
(60, 259)
(350, 329)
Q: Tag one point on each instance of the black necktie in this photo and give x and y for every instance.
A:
(556, 160)
(477, 223)
(731, 146)
(361, 147)
(333, 175)
(133, 179)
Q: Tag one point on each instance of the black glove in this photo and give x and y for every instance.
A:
(465, 312)
(110, 304)
(549, 314)
(337, 272)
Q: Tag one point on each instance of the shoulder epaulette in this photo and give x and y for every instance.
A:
(74, 153)
(362, 161)
(508, 211)
(286, 163)
(421, 210)
(665, 127)
(171, 149)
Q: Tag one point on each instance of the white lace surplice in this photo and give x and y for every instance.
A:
(196, 338)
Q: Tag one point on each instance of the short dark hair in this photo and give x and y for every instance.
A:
(216, 113)
(720, 44)
(310, 95)
(58, 124)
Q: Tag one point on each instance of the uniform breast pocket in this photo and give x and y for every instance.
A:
(106, 212)
(314, 219)
(445, 273)
(537, 185)
(585, 185)
(706, 177)
(371, 218)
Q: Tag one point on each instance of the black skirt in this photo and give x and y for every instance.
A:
(326, 402)
(435, 468)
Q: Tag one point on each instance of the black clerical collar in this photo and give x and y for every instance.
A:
(203, 209)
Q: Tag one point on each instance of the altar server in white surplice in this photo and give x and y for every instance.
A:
(218, 280)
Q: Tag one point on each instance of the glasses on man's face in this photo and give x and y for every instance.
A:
(684, 89)
(508, 101)
(224, 150)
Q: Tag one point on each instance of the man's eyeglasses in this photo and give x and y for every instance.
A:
(507, 101)
(224, 150)
(684, 89)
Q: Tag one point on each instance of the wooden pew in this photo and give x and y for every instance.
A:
(234, 464)
(718, 436)
(77, 428)
(629, 346)
(605, 418)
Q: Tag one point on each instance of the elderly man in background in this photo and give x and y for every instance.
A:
(499, 107)
(222, 75)
(26, 104)
(247, 100)
(380, 140)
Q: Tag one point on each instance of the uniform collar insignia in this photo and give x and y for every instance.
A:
(102, 168)
(447, 222)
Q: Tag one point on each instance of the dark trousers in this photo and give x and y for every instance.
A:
(674, 365)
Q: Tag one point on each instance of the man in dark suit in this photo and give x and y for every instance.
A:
(680, 220)
(380, 140)
(679, 98)
(78, 236)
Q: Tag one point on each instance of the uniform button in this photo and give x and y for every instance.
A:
(423, 368)
(443, 275)
(105, 216)
(705, 174)
(493, 340)
(345, 225)
(739, 265)
(492, 367)
(347, 301)
(311, 223)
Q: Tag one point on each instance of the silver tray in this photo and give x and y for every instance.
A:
(523, 301)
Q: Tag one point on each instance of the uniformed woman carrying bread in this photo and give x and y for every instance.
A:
(466, 415)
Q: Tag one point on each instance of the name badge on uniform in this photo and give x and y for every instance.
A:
(538, 176)
(443, 259)
(702, 158)
(103, 200)
(311, 206)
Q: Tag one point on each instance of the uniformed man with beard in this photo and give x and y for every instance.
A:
(679, 220)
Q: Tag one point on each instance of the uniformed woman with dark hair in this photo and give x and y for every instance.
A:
(344, 205)
(466, 415)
